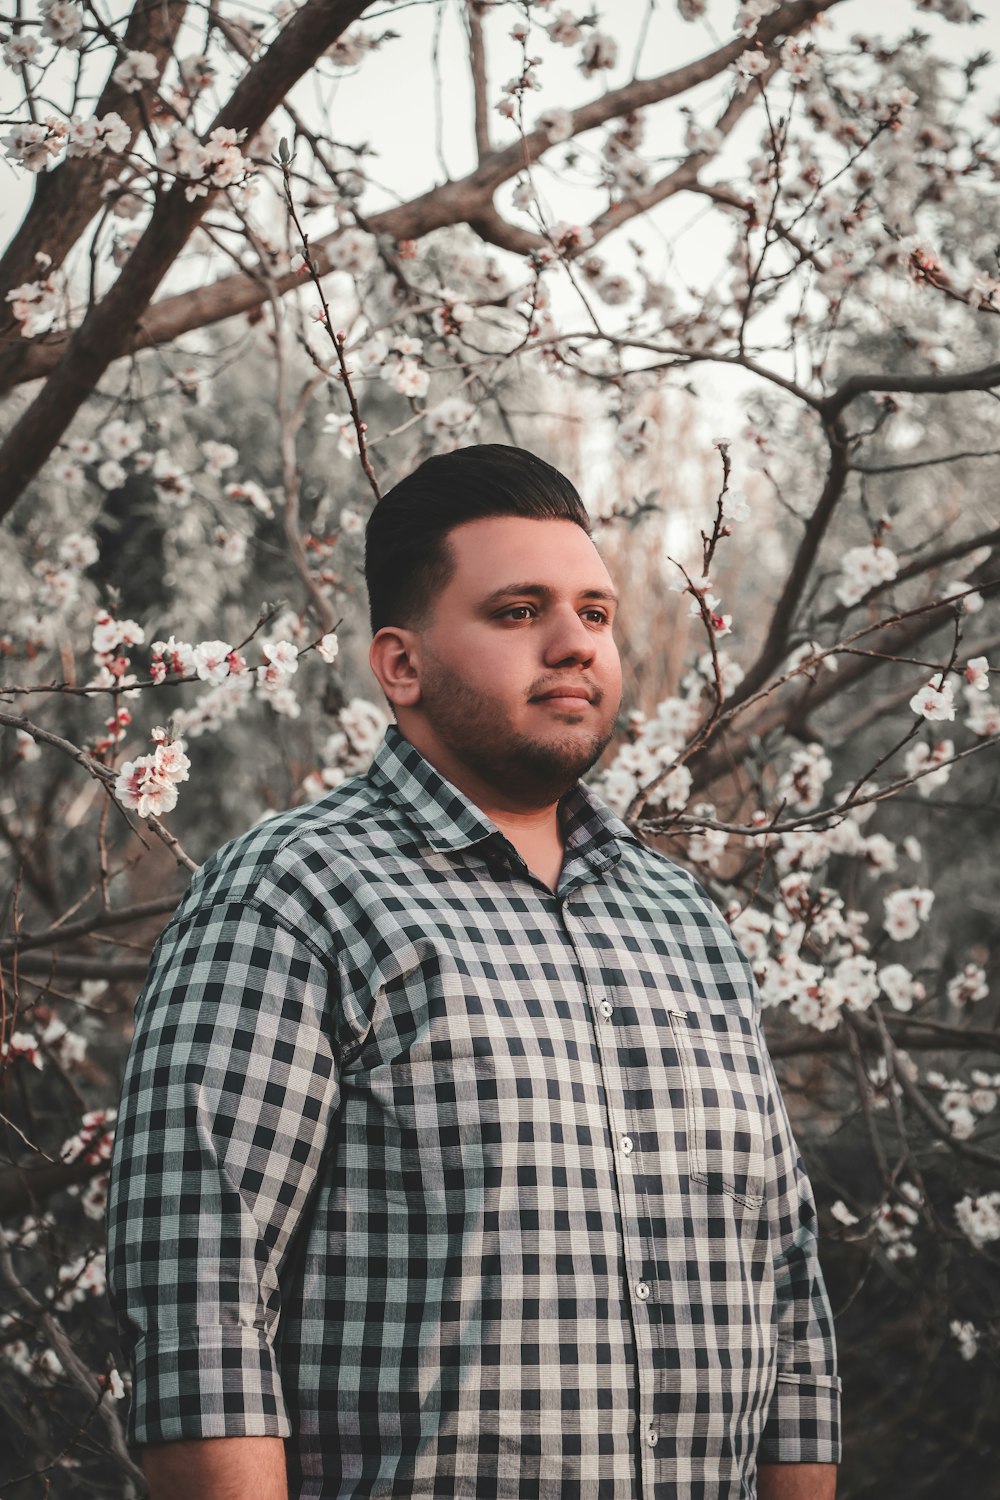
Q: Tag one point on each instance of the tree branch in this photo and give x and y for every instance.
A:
(480, 85)
(464, 201)
(106, 331)
(67, 198)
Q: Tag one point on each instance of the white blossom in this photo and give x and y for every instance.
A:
(211, 660)
(600, 52)
(969, 986)
(966, 1335)
(135, 69)
(934, 702)
(905, 910)
(979, 1218)
(354, 251)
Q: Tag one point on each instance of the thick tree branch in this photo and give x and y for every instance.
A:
(99, 921)
(108, 328)
(985, 379)
(469, 199)
(480, 83)
(775, 647)
(67, 198)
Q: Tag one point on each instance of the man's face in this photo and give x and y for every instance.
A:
(520, 678)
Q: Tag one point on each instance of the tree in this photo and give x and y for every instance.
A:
(226, 333)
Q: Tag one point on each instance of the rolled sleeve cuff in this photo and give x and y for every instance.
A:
(803, 1424)
(206, 1382)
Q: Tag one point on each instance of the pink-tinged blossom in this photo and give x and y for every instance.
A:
(564, 30)
(34, 145)
(35, 305)
(144, 790)
(970, 600)
(921, 762)
(89, 137)
(984, 718)
(135, 69)
(111, 475)
(863, 569)
(21, 50)
(77, 550)
(353, 251)
(969, 986)
(112, 1385)
(752, 12)
(62, 23)
(409, 380)
(109, 633)
(556, 123)
(636, 435)
(600, 53)
(218, 456)
(252, 494)
(67, 1046)
(451, 421)
(232, 545)
(211, 660)
(450, 315)
(900, 987)
(934, 702)
(344, 430)
(328, 647)
(977, 673)
(172, 656)
(172, 484)
(979, 1218)
(905, 910)
(348, 50)
(23, 1044)
(282, 655)
(750, 65)
(169, 756)
(119, 439)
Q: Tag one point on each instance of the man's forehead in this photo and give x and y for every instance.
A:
(516, 553)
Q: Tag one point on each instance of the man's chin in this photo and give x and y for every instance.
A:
(560, 761)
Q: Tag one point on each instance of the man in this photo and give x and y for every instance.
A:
(450, 1152)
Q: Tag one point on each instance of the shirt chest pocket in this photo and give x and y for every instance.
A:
(726, 1104)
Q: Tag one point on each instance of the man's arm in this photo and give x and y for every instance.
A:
(237, 1468)
(794, 1482)
(230, 1092)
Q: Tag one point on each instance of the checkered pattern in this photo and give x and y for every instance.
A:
(468, 1188)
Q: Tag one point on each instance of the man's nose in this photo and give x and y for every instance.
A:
(569, 640)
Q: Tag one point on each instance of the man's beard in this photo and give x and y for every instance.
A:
(536, 770)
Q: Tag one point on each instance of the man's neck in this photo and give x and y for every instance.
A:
(534, 831)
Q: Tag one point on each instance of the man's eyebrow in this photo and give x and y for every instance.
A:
(543, 591)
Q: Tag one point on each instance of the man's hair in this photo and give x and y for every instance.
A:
(407, 558)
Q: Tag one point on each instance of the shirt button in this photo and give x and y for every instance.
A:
(627, 1145)
(607, 1009)
(642, 1290)
(651, 1437)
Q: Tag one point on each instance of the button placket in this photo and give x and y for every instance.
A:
(596, 982)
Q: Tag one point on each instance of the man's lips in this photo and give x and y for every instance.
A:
(565, 694)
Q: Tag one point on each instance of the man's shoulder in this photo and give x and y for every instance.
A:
(296, 866)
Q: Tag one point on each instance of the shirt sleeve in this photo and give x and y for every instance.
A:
(229, 1092)
(803, 1423)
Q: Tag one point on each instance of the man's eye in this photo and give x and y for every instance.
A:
(520, 611)
(597, 615)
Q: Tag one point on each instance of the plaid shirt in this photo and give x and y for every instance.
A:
(469, 1188)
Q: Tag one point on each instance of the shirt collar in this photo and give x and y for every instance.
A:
(450, 821)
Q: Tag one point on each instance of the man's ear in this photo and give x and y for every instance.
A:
(395, 659)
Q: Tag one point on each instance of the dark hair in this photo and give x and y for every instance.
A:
(407, 558)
